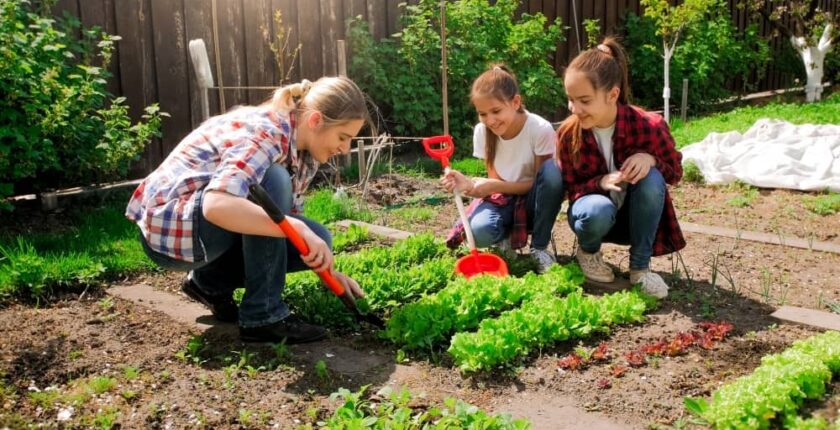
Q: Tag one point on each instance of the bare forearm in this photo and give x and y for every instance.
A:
(239, 215)
(505, 187)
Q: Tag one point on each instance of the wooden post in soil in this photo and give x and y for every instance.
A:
(684, 105)
(341, 52)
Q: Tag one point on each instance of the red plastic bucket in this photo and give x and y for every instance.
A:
(478, 264)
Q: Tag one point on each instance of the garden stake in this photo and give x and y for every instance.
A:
(441, 148)
(259, 196)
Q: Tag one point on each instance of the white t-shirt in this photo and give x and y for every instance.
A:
(605, 143)
(514, 160)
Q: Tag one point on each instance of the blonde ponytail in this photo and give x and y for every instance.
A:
(288, 97)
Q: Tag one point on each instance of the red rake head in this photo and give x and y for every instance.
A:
(440, 148)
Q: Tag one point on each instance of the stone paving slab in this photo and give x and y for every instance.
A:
(378, 230)
(755, 236)
(552, 412)
(809, 317)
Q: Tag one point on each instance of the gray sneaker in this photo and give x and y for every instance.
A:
(652, 283)
(594, 267)
(544, 259)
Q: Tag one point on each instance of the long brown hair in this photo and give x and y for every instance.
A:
(605, 66)
(337, 98)
(499, 83)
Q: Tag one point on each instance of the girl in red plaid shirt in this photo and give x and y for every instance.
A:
(519, 193)
(616, 160)
(194, 214)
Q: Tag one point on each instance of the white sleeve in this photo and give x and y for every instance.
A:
(544, 139)
(478, 141)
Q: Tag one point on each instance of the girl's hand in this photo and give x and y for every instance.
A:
(350, 284)
(320, 256)
(455, 179)
(611, 181)
(483, 188)
(637, 166)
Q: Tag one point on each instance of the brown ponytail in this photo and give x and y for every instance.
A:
(605, 65)
(500, 83)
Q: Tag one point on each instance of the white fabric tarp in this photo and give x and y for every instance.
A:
(771, 154)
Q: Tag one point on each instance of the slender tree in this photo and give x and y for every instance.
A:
(811, 30)
(671, 21)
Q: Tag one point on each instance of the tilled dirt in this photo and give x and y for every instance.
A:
(65, 346)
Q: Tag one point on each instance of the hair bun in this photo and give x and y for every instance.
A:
(300, 90)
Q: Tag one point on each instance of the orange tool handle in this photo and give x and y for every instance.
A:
(260, 197)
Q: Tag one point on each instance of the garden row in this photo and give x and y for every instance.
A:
(774, 393)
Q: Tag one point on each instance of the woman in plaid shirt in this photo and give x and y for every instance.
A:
(194, 214)
(616, 161)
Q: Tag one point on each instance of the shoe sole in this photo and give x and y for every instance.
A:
(603, 280)
(195, 296)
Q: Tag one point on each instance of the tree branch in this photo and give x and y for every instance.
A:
(776, 24)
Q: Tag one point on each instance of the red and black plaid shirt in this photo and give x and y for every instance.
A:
(635, 131)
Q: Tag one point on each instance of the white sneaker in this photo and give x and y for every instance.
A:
(544, 259)
(652, 283)
(594, 267)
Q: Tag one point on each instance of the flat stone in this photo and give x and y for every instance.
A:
(809, 317)
(339, 358)
(595, 287)
(175, 306)
(378, 230)
(775, 239)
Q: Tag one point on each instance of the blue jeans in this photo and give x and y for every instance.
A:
(490, 223)
(258, 263)
(595, 219)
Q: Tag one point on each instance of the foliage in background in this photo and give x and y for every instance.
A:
(711, 55)
(402, 73)
(827, 111)
(824, 204)
(58, 124)
(809, 29)
(592, 27)
(102, 246)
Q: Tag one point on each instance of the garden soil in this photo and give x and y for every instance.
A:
(58, 346)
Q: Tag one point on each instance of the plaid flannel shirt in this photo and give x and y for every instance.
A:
(635, 131)
(226, 153)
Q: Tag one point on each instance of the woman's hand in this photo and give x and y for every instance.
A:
(349, 284)
(637, 167)
(320, 256)
(611, 181)
(454, 179)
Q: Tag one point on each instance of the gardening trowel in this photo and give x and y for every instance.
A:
(260, 197)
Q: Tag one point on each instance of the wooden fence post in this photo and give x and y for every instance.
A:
(684, 106)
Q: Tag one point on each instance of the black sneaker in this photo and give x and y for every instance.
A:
(291, 330)
(224, 309)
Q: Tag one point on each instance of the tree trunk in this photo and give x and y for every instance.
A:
(813, 57)
(666, 89)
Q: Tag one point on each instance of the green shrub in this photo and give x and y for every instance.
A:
(58, 124)
(711, 55)
(692, 173)
(402, 73)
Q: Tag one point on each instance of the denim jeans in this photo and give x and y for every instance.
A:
(257, 263)
(595, 219)
(490, 223)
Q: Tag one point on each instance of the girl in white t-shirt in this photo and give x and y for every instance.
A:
(521, 191)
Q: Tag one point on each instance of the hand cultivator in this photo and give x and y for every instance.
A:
(260, 197)
(441, 148)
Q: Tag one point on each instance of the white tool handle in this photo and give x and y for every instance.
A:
(463, 214)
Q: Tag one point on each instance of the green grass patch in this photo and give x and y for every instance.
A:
(745, 199)
(102, 246)
(823, 204)
(470, 167)
(741, 119)
(324, 206)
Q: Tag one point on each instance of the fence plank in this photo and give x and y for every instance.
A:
(377, 17)
(610, 24)
(170, 50)
(309, 17)
(232, 50)
(137, 69)
(259, 60)
(332, 29)
(393, 13)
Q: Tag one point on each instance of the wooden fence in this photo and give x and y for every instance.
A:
(151, 64)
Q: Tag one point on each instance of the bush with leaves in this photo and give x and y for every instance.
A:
(402, 73)
(58, 124)
(712, 55)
